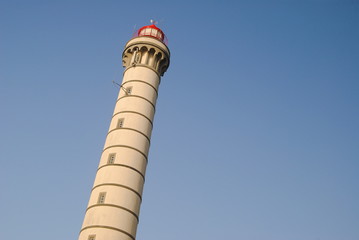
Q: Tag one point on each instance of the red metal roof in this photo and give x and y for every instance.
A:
(152, 31)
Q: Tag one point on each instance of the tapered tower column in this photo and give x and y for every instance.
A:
(114, 205)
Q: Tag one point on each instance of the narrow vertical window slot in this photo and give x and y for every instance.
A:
(120, 123)
(101, 198)
(111, 158)
(129, 90)
(92, 237)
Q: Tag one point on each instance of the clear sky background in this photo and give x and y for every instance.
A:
(256, 132)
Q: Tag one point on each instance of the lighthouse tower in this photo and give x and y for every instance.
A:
(113, 209)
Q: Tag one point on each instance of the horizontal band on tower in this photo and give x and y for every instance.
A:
(125, 146)
(118, 185)
(136, 96)
(122, 165)
(115, 206)
(108, 227)
(141, 81)
(131, 129)
(134, 113)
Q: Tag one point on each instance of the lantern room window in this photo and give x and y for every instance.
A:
(151, 31)
(154, 32)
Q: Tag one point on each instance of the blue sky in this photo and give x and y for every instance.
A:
(256, 132)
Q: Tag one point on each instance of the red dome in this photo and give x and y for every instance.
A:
(152, 31)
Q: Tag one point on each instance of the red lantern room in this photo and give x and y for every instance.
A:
(152, 31)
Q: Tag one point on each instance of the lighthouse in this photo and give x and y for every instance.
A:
(113, 209)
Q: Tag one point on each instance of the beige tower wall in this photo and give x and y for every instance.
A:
(114, 205)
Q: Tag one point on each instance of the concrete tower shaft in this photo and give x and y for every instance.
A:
(114, 205)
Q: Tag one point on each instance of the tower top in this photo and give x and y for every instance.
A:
(151, 31)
